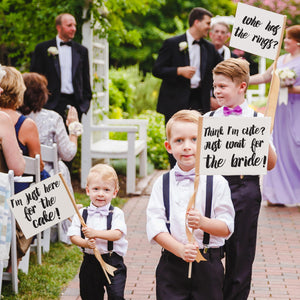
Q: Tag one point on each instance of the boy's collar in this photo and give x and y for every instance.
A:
(178, 169)
(244, 104)
(106, 206)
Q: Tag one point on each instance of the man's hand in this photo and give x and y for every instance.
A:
(187, 71)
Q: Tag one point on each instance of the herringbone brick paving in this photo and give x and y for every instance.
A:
(276, 270)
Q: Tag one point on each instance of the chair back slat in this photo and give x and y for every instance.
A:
(49, 154)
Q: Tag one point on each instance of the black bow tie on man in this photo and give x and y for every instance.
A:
(198, 42)
(69, 43)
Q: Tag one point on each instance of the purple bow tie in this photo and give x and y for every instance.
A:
(232, 111)
(103, 210)
(179, 176)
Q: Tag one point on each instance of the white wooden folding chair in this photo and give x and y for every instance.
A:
(13, 276)
(97, 144)
(49, 154)
(32, 167)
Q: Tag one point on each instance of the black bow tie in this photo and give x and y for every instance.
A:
(197, 42)
(69, 43)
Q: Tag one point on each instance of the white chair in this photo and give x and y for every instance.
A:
(32, 167)
(49, 154)
(96, 144)
(13, 276)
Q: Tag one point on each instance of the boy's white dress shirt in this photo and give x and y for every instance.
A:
(65, 63)
(98, 222)
(180, 194)
(195, 59)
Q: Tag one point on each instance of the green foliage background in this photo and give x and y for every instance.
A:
(134, 28)
(25, 23)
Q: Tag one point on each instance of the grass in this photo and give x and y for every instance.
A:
(46, 281)
(59, 267)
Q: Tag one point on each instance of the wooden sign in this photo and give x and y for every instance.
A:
(257, 31)
(234, 146)
(42, 205)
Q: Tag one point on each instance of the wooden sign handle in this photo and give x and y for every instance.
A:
(191, 203)
(275, 85)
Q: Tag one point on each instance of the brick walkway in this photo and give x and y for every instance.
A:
(276, 271)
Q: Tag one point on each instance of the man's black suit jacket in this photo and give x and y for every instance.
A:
(47, 64)
(175, 90)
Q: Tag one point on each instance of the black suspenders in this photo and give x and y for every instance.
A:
(110, 244)
(166, 198)
(209, 190)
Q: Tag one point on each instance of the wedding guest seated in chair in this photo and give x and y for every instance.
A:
(26, 130)
(11, 157)
(51, 127)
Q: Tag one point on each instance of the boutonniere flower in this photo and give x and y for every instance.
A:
(287, 77)
(183, 46)
(52, 51)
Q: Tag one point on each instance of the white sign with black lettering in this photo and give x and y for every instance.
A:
(257, 30)
(234, 146)
(42, 205)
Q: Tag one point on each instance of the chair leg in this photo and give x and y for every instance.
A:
(24, 263)
(143, 163)
(1, 275)
(130, 176)
(39, 248)
(59, 231)
(131, 161)
(86, 165)
(46, 240)
(14, 260)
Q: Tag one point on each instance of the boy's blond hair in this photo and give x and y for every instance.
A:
(237, 69)
(13, 87)
(185, 115)
(106, 172)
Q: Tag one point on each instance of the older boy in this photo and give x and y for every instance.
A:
(231, 78)
(166, 220)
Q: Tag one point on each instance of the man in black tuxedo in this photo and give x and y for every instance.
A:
(65, 63)
(185, 64)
